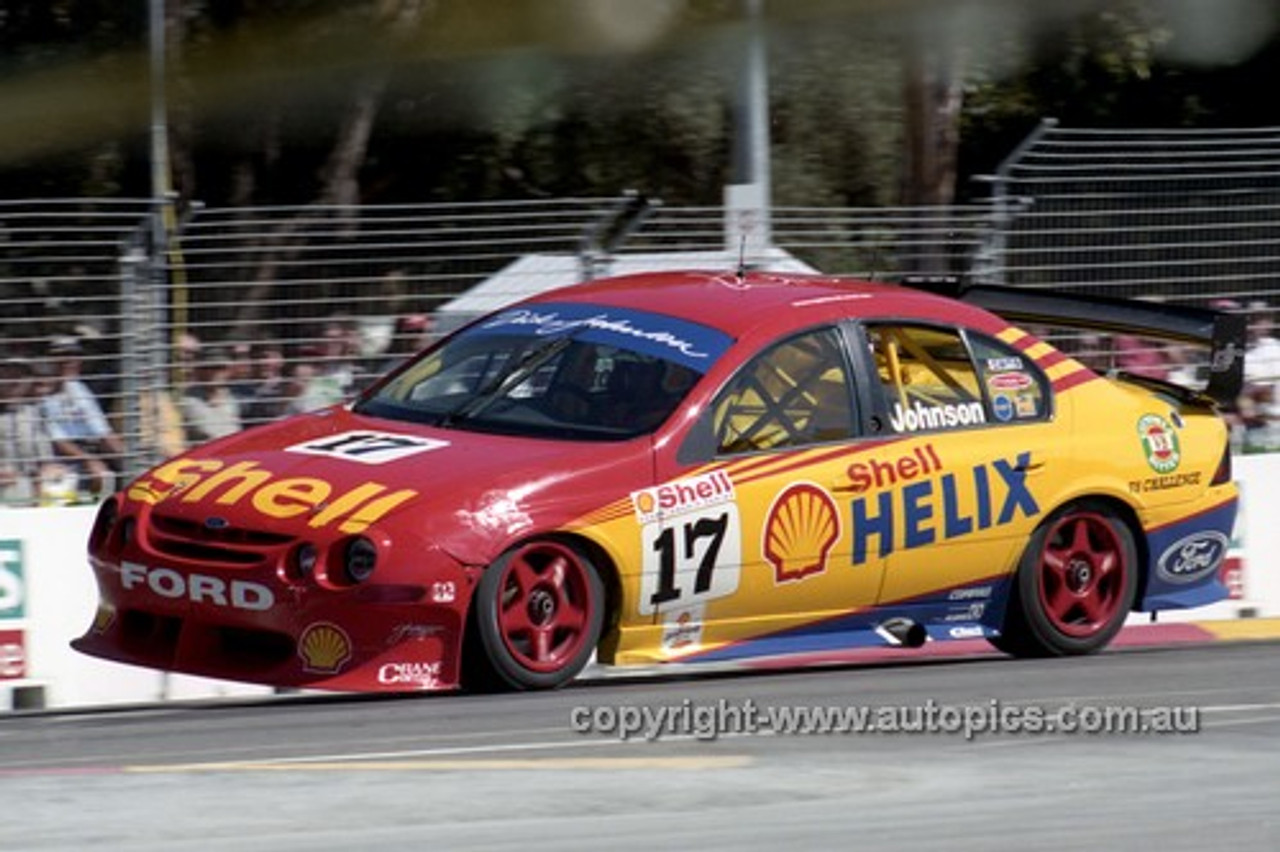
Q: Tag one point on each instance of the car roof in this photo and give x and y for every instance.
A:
(735, 305)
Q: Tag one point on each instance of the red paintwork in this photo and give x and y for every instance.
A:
(404, 629)
(771, 300)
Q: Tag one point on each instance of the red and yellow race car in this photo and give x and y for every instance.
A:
(690, 466)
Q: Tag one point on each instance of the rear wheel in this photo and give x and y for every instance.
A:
(1074, 586)
(539, 610)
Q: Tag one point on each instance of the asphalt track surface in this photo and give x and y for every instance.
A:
(445, 772)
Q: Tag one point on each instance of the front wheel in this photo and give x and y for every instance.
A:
(539, 610)
(1074, 586)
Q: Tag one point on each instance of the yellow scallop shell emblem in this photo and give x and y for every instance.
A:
(800, 531)
(324, 648)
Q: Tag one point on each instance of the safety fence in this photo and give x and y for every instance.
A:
(1184, 215)
(165, 314)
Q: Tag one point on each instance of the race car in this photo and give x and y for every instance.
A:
(682, 467)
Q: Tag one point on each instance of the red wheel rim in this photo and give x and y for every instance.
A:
(544, 606)
(1082, 574)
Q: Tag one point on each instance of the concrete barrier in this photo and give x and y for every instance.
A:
(47, 598)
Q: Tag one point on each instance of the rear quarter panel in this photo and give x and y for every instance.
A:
(1156, 454)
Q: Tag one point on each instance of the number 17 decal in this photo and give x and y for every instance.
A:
(368, 447)
(690, 559)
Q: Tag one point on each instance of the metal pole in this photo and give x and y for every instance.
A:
(748, 197)
(753, 126)
(162, 212)
(1004, 208)
(159, 114)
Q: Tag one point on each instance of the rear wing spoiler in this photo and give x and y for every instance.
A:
(1223, 333)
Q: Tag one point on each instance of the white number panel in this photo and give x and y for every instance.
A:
(368, 447)
(691, 559)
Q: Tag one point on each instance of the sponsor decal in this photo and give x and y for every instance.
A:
(1224, 358)
(922, 461)
(1193, 557)
(689, 344)
(1026, 405)
(13, 654)
(920, 416)
(419, 674)
(799, 531)
(13, 590)
(368, 447)
(210, 481)
(413, 633)
(444, 591)
(324, 648)
(1004, 364)
(967, 631)
(973, 593)
(197, 588)
(1159, 443)
(682, 495)
(1009, 381)
(684, 631)
(1164, 483)
(972, 612)
(927, 511)
(1002, 407)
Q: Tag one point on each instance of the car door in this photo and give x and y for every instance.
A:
(753, 540)
(957, 489)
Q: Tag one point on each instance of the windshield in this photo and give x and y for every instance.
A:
(567, 371)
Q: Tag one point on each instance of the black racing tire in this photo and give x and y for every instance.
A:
(1074, 586)
(537, 616)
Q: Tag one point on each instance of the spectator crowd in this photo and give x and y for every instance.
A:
(59, 442)
(1255, 419)
(62, 432)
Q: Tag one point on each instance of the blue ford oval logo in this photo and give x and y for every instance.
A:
(216, 523)
(1193, 557)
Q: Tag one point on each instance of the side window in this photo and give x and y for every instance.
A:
(792, 394)
(926, 378)
(1018, 392)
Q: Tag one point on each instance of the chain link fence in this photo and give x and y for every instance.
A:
(1183, 215)
(182, 328)
(1186, 215)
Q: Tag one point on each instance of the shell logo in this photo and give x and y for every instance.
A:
(801, 528)
(645, 503)
(324, 648)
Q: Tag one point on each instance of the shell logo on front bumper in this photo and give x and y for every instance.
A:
(802, 526)
(324, 648)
